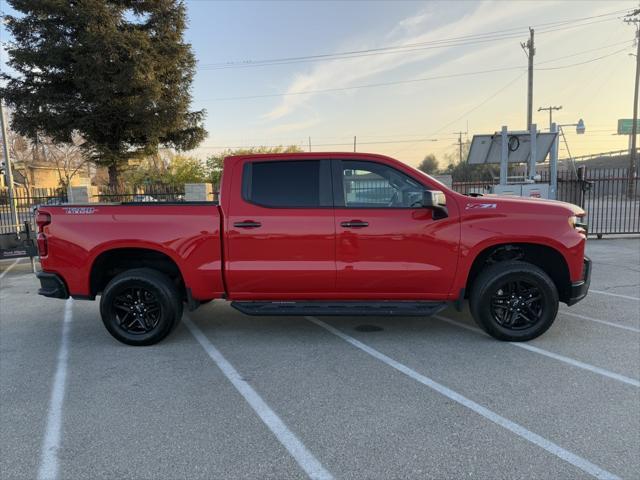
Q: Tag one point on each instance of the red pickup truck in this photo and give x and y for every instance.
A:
(319, 234)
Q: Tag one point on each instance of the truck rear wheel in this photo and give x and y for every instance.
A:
(514, 301)
(140, 306)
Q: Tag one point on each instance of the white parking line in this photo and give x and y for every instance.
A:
(555, 356)
(312, 467)
(51, 443)
(553, 448)
(628, 297)
(17, 260)
(604, 322)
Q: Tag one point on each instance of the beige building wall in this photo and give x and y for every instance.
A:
(48, 177)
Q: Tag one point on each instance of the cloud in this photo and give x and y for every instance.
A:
(294, 126)
(346, 73)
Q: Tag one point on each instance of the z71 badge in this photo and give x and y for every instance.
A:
(80, 210)
(483, 206)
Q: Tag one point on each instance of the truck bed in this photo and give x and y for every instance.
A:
(187, 233)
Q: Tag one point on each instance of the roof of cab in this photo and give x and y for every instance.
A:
(310, 155)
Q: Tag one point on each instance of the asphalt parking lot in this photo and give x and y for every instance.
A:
(231, 396)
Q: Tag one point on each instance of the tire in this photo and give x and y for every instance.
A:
(140, 306)
(514, 301)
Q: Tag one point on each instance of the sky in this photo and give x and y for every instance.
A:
(480, 80)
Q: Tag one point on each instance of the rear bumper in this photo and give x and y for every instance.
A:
(580, 289)
(51, 285)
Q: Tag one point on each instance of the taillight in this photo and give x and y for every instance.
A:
(42, 220)
(42, 245)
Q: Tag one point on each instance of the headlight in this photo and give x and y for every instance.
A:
(572, 221)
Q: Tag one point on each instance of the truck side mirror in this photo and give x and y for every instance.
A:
(437, 201)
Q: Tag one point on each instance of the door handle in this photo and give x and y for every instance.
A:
(354, 224)
(247, 224)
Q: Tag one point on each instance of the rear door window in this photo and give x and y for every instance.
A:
(288, 184)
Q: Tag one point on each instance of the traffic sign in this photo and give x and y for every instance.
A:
(625, 126)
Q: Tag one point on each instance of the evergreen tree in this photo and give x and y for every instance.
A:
(116, 72)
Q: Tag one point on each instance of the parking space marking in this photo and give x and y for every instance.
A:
(49, 462)
(551, 447)
(547, 353)
(307, 461)
(604, 322)
(17, 260)
(628, 297)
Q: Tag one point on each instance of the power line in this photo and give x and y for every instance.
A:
(410, 142)
(370, 85)
(441, 43)
(628, 43)
(323, 144)
(415, 80)
(468, 112)
(346, 56)
(585, 62)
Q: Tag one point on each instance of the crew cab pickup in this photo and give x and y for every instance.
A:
(319, 234)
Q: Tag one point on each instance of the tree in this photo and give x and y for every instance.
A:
(116, 72)
(186, 170)
(429, 164)
(168, 169)
(214, 162)
(66, 158)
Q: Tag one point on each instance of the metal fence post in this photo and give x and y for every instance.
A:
(504, 156)
(553, 165)
(8, 171)
(533, 135)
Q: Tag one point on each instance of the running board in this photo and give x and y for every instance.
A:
(331, 308)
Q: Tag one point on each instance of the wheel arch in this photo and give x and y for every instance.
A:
(113, 261)
(549, 259)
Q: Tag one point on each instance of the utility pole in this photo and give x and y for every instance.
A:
(631, 183)
(8, 173)
(530, 50)
(309, 143)
(460, 142)
(354, 143)
(550, 109)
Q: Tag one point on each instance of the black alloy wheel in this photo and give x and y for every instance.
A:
(517, 305)
(514, 300)
(137, 310)
(140, 306)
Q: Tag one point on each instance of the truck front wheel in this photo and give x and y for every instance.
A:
(514, 301)
(140, 306)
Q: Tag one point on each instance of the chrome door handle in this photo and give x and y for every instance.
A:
(354, 224)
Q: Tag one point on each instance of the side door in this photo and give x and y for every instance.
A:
(387, 245)
(280, 230)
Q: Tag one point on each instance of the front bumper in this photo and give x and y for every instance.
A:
(51, 285)
(579, 289)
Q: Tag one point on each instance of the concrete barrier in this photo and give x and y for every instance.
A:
(198, 192)
(82, 194)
